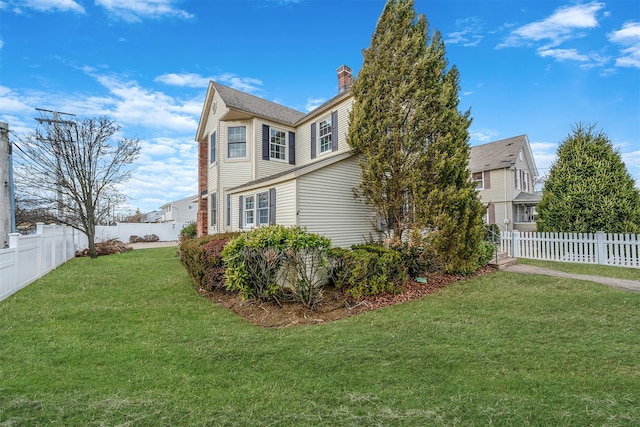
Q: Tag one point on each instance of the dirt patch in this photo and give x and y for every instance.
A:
(334, 306)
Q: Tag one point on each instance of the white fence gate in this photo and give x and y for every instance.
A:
(30, 257)
(621, 250)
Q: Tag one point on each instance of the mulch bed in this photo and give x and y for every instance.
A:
(334, 305)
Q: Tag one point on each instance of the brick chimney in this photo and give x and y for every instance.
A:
(344, 78)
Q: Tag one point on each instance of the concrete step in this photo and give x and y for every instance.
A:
(503, 262)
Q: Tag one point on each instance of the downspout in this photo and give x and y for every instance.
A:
(506, 210)
(12, 198)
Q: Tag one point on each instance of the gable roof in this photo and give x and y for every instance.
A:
(238, 100)
(496, 155)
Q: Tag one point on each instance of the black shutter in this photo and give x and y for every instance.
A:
(265, 142)
(228, 210)
(240, 205)
(313, 140)
(334, 131)
(272, 206)
(292, 148)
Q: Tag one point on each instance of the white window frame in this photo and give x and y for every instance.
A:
(525, 184)
(246, 211)
(518, 180)
(213, 149)
(262, 208)
(284, 146)
(230, 142)
(214, 209)
(479, 182)
(325, 135)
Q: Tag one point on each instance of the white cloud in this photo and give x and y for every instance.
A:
(483, 135)
(564, 24)
(544, 154)
(137, 10)
(135, 105)
(563, 54)
(313, 103)
(185, 79)
(629, 37)
(50, 6)
(469, 32)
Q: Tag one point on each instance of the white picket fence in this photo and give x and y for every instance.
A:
(30, 257)
(621, 250)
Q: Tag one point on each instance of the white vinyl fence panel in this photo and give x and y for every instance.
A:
(30, 257)
(621, 250)
(166, 231)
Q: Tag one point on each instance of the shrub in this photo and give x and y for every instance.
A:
(276, 262)
(367, 270)
(485, 249)
(202, 258)
(189, 231)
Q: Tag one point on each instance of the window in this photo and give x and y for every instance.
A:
(525, 181)
(237, 142)
(278, 144)
(478, 178)
(524, 213)
(214, 209)
(518, 183)
(263, 208)
(324, 135)
(228, 210)
(212, 147)
(249, 212)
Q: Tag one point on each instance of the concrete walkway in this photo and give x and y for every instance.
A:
(627, 285)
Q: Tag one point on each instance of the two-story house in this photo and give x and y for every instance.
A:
(179, 211)
(504, 172)
(263, 163)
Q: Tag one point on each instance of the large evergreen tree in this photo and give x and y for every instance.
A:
(412, 140)
(589, 188)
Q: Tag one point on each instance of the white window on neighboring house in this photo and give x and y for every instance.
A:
(525, 181)
(278, 145)
(518, 183)
(237, 141)
(324, 135)
(479, 180)
(249, 211)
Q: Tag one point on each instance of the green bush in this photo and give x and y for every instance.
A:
(202, 258)
(486, 250)
(277, 262)
(367, 270)
(189, 231)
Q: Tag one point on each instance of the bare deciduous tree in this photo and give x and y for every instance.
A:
(75, 169)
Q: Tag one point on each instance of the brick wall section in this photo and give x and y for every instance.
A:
(203, 175)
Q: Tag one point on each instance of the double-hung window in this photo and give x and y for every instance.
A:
(479, 179)
(214, 209)
(278, 144)
(249, 211)
(212, 147)
(324, 135)
(237, 140)
(263, 208)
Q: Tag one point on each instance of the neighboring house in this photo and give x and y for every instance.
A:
(180, 211)
(153, 216)
(504, 172)
(262, 163)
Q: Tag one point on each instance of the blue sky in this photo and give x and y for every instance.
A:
(527, 67)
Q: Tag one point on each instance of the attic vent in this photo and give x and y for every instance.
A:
(511, 143)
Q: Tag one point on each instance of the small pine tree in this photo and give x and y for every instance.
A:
(589, 188)
(412, 140)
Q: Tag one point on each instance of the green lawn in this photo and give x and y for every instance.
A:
(125, 340)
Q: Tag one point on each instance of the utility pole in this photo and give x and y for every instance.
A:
(56, 135)
(7, 202)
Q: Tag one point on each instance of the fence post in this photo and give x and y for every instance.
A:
(515, 243)
(14, 242)
(602, 253)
